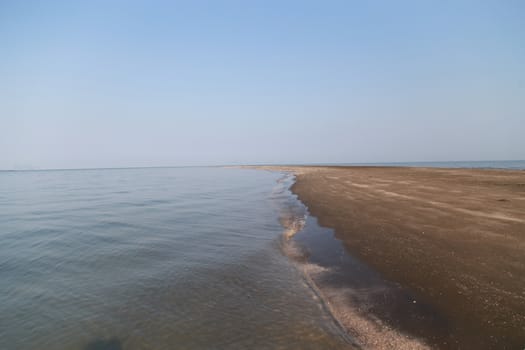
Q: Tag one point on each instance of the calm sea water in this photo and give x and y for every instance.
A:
(152, 259)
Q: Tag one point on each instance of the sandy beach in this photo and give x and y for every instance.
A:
(455, 238)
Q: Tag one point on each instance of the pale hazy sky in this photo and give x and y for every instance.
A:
(146, 83)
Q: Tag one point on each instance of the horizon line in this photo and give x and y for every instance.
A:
(262, 164)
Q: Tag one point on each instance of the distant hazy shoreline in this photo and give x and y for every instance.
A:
(476, 164)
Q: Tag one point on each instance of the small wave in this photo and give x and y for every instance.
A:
(292, 224)
(292, 213)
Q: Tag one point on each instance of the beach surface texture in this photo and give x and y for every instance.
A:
(453, 237)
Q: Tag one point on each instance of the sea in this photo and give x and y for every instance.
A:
(154, 258)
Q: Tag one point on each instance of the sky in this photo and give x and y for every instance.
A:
(164, 83)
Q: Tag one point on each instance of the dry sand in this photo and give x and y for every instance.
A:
(455, 237)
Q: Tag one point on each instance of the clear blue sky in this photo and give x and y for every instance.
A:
(146, 83)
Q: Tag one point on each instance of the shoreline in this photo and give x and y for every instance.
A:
(452, 237)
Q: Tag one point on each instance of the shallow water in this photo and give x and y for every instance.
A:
(152, 259)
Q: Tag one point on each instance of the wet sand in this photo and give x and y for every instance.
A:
(449, 242)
